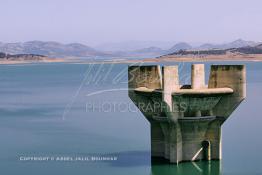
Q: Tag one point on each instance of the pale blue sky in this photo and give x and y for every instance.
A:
(101, 21)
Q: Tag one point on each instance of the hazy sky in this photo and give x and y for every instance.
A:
(101, 21)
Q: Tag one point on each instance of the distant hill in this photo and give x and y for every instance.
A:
(241, 50)
(186, 48)
(145, 52)
(50, 49)
(179, 46)
(153, 51)
(158, 51)
(249, 49)
(234, 44)
(128, 46)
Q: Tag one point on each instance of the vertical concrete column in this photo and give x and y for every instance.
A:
(165, 126)
(172, 132)
(175, 146)
(157, 140)
(213, 134)
(198, 80)
(170, 82)
(198, 76)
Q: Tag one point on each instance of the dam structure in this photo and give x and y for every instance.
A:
(186, 120)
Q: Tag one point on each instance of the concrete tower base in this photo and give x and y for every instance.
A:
(188, 140)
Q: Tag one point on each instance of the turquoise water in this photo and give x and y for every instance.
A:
(63, 110)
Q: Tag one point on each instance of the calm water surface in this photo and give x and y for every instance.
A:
(56, 110)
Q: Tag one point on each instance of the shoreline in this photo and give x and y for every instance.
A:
(6, 62)
(222, 58)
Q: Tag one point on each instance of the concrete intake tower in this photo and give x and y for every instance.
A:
(186, 120)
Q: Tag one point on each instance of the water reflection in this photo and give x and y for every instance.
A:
(186, 168)
(136, 159)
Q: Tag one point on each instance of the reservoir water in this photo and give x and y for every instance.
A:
(65, 118)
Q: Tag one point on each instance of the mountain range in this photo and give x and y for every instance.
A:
(50, 49)
(237, 50)
(59, 50)
(234, 44)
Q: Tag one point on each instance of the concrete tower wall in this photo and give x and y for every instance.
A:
(148, 77)
(234, 77)
(144, 76)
